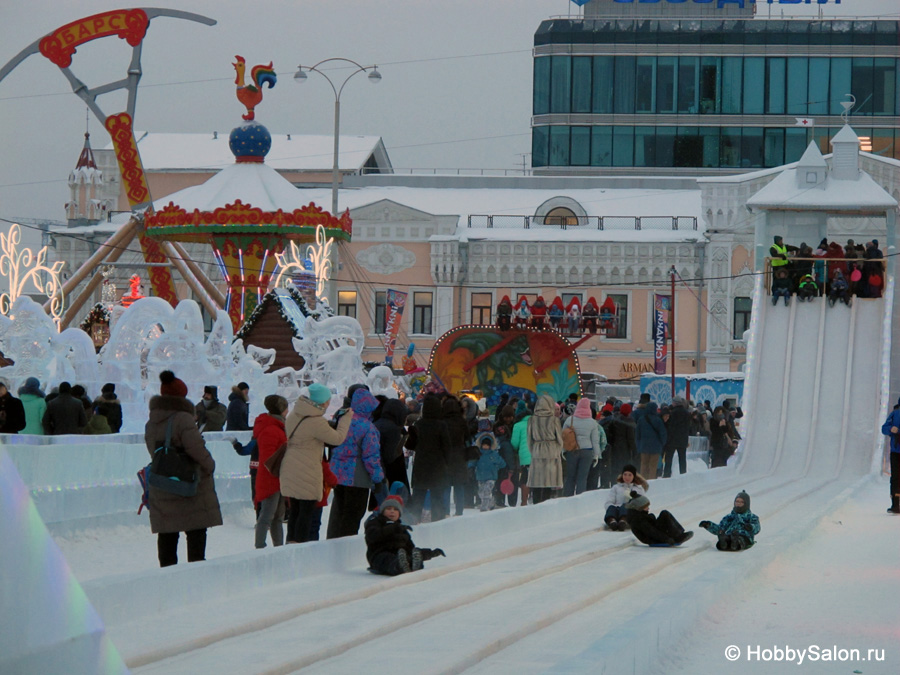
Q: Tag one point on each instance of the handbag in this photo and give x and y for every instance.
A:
(172, 470)
(273, 464)
(570, 440)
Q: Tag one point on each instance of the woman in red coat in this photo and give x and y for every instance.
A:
(268, 430)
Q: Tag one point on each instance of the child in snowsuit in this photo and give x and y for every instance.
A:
(628, 483)
(737, 529)
(651, 530)
(840, 290)
(486, 470)
(389, 548)
(807, 289)
(781, 288)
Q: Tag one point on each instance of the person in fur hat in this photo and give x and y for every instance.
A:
(628, 482)
(737, 529)
(662, 530)
(389, 546)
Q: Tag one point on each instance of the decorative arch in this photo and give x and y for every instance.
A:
(560, 211)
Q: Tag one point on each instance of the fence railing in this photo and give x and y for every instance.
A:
(585, 222)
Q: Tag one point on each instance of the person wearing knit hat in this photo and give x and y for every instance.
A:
(35, 406)
(210, 411)
(737, 530)
(591, 443)
(319, 394)
(662, 530)
(628, 482)
(389, 546)
(172, 415)
(237, 417)
(113, 406)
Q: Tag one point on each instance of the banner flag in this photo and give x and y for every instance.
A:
(662, 303)
(396, 301)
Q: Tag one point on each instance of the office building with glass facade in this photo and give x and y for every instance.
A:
(701, 94)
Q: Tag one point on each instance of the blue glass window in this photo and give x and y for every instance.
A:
(840, 85)
(645, 146)
(776, 68)
(774, 147)
(581, 146)
(731, 85)
(666, 84)
(560, 84)
(603, 85)
(541, 94)
(754, 85)
(559, 146)
(688, 147)
(797, 88)
(818, 86)
(623, 146)
(710, 85)
(601, 146)
(688, 81)
(665, 146)
(645, 85)
(581, 84)
(752, 147)
(624, 87)
(730, 147)
(540, 138)
(710, 138)
(884, 76)
(861, 85)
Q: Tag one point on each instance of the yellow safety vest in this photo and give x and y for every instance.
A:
(778, 262)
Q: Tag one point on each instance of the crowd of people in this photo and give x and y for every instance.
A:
(66, 409)
(836, 272)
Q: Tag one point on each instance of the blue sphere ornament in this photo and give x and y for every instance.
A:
(250, 141)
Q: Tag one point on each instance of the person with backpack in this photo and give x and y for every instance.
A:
(301, 477)
(581, 441)
(172, 416)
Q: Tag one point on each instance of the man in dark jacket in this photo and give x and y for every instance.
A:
(238, 414)
(678, 429)
(12, 412)
(431, 443)
(392, 437)
(210, 412)
(113, 406)
(65, 413)
(650, 435)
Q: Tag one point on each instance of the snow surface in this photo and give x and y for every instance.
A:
(544, 588)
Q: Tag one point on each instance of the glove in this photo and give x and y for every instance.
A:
(595, 462)
(705, 524)
(748, 527)
(439, 551)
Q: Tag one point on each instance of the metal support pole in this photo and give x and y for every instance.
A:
(672, 327)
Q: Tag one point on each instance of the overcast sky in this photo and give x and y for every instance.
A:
(456, 90)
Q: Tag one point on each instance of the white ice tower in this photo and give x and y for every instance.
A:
(48, 624)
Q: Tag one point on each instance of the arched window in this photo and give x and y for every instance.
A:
(561, 216)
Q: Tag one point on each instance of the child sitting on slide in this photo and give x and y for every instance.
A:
(737, 529)
(651, 530)
(389, 548)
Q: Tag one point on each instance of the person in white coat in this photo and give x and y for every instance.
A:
(628, 481)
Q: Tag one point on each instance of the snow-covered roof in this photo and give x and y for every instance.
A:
(862, 194)
(258, 185)
(290, 152)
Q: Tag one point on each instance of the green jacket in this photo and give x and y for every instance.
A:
(520, 440)
(35, 407)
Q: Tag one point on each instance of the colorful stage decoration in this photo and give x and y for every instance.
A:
(519, 362)
(251, 95)
(134, 291)
(128, 24)
(21, 267)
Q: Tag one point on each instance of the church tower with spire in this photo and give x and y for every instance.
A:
(89, 201)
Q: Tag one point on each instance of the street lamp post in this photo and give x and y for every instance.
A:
(374, 78)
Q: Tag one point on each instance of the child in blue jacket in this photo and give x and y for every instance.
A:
(737, 529)
(486, 470)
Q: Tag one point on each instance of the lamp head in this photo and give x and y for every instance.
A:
(300, 76)
(374, 75)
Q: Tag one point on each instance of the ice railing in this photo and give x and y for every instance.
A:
(590, 222)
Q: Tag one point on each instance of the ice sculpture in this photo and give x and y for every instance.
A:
(380, 380)
(332, 349)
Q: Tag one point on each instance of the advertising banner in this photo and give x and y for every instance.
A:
(396, 301)
(661, 307)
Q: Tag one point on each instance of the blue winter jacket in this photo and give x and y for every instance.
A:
(736, 523)
(488, 465)
(362, 439)
(893, 420)
(650, 433)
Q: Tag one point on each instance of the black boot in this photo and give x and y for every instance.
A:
(724, 543)
(403, 561)
(612, 524)
(895, 504)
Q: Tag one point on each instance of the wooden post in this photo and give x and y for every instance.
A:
(210, 288)
(189, 279)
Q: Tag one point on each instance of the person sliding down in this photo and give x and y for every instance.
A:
(840, 290)
(389, 548)
(737, 529)
(651, 530)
